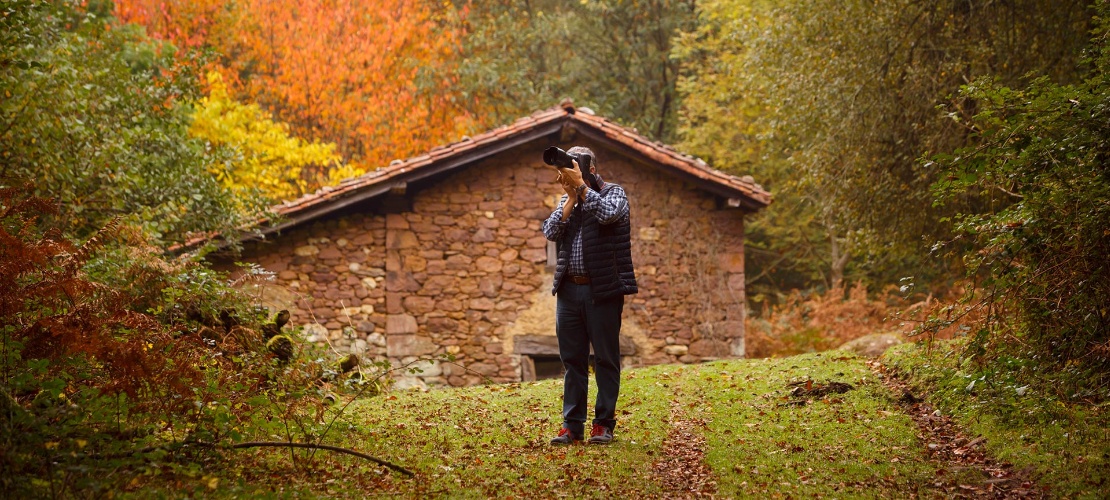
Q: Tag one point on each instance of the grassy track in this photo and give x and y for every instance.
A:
(492, 441)
(759, 441)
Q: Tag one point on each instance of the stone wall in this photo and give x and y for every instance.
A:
(466, 270)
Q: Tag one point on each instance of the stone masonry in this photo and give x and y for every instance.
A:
(465, 271)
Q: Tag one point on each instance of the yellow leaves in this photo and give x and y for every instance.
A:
(270, 159)
(344, 171)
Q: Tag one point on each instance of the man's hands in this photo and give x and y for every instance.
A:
(571, 179)
(566, 187)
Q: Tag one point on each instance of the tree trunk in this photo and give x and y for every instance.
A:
(839, 259)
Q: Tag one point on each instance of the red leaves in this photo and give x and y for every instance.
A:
(59, 314)
(948, 446)
(682, 469)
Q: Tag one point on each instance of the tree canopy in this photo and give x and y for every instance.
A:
(832, 102)
(96, 117)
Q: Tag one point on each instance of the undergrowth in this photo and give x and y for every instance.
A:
(1066, 441)
(820, 321)
(119, 366)
(492, 441)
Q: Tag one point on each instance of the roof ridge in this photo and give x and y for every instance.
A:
(337, 195)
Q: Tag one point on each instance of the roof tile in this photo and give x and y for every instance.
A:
(655, 150)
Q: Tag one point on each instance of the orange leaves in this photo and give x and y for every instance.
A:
(187, 23)
(368, 77)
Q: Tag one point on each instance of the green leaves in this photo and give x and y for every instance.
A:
(96, 116)
(611, 56)
(1041, 188)
(831, 103)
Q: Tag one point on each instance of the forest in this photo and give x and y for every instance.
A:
(944, 162)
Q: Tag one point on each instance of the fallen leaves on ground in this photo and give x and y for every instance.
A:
(964, 469)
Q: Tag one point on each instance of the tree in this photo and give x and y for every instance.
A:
(367, 78)
(269, 160)
(722, 119)
(96, 118)
(1040, 172)
(849, 93)
(613, 56)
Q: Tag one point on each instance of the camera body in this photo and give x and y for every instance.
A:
(562, 159)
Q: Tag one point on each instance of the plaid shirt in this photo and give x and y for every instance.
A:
(608, 206)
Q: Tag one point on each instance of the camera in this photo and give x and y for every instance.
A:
(562, 159)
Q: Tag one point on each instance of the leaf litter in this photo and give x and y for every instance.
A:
(964, 468)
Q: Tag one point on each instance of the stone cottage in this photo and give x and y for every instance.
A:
(443, 254)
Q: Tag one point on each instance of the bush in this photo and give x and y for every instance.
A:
(818, 322)
(1039, 245)
(149, 377)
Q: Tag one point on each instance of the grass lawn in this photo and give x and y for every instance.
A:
(760, 441)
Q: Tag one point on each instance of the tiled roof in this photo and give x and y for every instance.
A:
(666, 155)
(398, 168)
(540, 123)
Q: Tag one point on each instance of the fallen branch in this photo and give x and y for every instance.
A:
(337, 449)
(248, 444)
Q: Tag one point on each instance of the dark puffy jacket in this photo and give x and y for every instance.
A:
(607, 251)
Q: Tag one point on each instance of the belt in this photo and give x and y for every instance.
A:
(579, 280)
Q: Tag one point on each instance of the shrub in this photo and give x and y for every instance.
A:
(1038, 225)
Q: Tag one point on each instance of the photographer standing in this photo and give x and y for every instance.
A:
(594, 272)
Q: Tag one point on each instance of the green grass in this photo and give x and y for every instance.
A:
(492, 441)
(1066, 444)
(853, 444)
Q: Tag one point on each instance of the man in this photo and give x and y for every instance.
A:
(594, 272)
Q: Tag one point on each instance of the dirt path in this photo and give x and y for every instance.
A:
(681, 470)
(964, 469)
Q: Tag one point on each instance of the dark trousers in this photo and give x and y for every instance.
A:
(579, 322)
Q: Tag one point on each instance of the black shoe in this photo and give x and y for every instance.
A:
(566, 437)
(601, 435)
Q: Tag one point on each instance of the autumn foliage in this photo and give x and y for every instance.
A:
(52, 307)
(270, 160)
(369, 79)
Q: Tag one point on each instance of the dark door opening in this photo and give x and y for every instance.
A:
(546, 367)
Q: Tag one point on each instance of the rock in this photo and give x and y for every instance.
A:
(400, 324)
(482, 304)
(482, 235)
(330, 253)
(409, 383)
(707, 348)
(399, 346)
(534, 254)
(281, 347)
(676, 350)
(488, 264)
(427, 368)
(873, 345)
(315, 332)
(732, 262)
(306, 251)
(401, 239)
